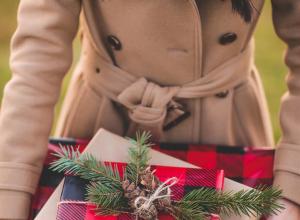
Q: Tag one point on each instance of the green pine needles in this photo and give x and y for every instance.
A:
(254, 202)
(106, 184)
(138, 156)
(114, 195)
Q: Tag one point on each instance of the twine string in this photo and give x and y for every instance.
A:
(147, 202)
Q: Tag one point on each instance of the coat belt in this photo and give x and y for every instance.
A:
(155, 107)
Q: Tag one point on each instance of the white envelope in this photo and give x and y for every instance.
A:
(107, 146)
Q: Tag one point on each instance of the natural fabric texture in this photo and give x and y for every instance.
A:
(169, 43)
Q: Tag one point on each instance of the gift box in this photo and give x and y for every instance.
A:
(49, 180)
(110, 147)
(73, 205)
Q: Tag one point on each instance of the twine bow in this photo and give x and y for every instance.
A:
(143, 204)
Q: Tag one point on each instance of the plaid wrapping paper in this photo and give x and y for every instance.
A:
(72, 204)
(242, 164)
(49, 180)
(247, 165)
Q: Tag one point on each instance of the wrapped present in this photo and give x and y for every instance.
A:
(73, 205)
(105, 145)
(49, 180)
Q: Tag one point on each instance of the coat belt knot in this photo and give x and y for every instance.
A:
(151, 105)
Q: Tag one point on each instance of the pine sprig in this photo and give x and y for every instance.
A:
(105, 189)
(138, 156)
(108, 200)
(114, 195)
(253, 202)
(86, 166)
(183, 213)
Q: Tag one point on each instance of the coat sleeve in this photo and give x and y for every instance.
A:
(41, 54)
(286, 17)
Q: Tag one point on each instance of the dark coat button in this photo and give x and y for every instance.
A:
(227, 38)
(223, 94)
(98, 70)
(114, 42)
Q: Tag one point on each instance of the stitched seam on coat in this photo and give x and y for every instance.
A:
(17, 188)
(287, 149)
(17, 166)
(286, 169)
(288, 146)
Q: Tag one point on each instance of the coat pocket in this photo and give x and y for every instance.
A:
(251, 113)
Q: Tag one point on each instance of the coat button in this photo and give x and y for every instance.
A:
(223, 94)
(97, 70)
(114, 42)
(227, 38)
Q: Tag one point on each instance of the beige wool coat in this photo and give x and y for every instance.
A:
(184, 72)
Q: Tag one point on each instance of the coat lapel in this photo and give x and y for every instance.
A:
(89, 23)
(198, 67)
(198, 37)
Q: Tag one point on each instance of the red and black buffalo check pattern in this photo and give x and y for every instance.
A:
(80, 211)
(72, 204)
(49, 180)
(247, 165)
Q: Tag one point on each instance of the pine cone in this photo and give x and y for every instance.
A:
(149, 180)
(131, 192)
(147, 185)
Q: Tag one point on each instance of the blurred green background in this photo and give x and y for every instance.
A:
(269, 57)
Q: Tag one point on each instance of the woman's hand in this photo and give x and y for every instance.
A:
(291, 211)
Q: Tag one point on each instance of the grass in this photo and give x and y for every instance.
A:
(269, 61)
(269, 50)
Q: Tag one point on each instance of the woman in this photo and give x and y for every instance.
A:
(182, 70)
